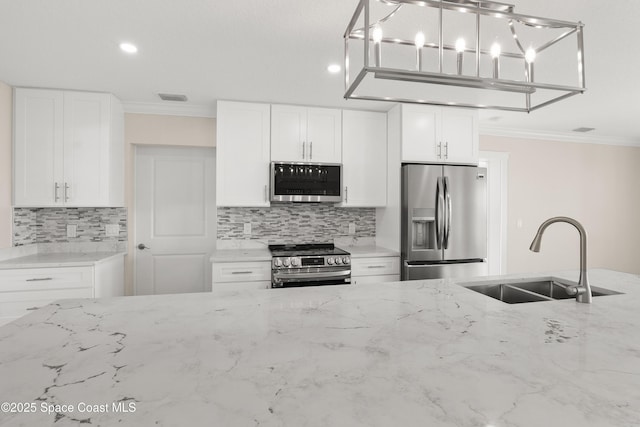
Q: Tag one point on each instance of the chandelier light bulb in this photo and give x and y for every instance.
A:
(495, 50)
(420, 39)
(530, 55)
(460, 45)
(377, 34)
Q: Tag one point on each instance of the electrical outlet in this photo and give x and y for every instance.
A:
(112, 230)
(352, 228)
(72, 230)
(247, 228)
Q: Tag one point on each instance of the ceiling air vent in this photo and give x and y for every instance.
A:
(583, 130)
(172, 97)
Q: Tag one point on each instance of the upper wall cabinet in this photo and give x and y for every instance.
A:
(304, 134)
(439, 134)
(364, 158)
(68, 149)
(242, 154)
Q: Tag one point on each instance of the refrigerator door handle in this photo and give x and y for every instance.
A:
(447, 218)
(439, 213)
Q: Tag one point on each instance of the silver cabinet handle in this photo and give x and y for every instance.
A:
(56, 187)
(440, 150)
(66, 192)
(310, 150)
(265, 193)
(303, 150)
(39, 279)
(376, 266)
(446, 150)
(32, 308)
(346, 194)
(241, 272)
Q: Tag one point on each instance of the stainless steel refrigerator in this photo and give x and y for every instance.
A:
(444, 221)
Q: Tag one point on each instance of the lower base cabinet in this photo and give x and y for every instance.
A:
(375, 270)
(23, 290)
(239, 276)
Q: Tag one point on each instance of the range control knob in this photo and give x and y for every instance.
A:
(330, 260)
(295, 262)
(287, 262)
(277, 262)
(338, 260)
(346, 260)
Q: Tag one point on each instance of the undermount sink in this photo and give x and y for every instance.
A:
(518, 291)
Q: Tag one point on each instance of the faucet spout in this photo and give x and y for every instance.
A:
(583, 291)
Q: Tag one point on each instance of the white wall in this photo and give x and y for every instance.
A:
(6, 126)
(595, 184)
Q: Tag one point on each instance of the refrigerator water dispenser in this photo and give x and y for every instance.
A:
(423, 229)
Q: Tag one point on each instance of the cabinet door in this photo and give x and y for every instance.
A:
(324, 135)
(420, 133)
(364, 158)
(288, 133)
(86, 148)
(460, 136)
(38, 146)
(242, 154)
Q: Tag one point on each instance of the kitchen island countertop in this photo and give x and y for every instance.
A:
(421, 353)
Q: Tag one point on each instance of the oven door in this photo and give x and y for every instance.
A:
(306, 182)
(296, 277)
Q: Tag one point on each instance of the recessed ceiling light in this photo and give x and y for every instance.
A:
(128, 48)
(334, 68)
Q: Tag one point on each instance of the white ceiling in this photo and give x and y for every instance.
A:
(278, 50)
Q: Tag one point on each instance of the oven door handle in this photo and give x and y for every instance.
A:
(281, 276)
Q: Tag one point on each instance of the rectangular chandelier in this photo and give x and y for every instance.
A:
(464, 53)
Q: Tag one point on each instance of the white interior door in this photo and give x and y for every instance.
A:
(175, 219)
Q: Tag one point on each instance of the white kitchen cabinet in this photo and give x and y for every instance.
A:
(242, 154)
(68, 148)
(306, 134)
(25, 289)
(439, 134)
(241, 275)
(364, 158)
(375, 270)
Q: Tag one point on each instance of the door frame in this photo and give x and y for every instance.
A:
(497, 164)
(133, 236)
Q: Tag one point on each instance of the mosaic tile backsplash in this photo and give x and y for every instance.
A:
(295, 223)
(49, 225)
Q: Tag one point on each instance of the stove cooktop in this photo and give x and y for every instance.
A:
(306, 249)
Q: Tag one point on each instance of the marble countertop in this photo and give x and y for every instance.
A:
(421, 353)
(59, 259)
(369, 251)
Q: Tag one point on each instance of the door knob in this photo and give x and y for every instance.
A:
(142, 246)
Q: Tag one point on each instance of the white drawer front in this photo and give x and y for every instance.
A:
(241, 286)
(241, 272)
(31, 279)
(375, 266)
(367, 280)
(15, 304)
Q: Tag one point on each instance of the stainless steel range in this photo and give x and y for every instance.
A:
(312, 264)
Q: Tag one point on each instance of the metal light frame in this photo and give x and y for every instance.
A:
(477, 7)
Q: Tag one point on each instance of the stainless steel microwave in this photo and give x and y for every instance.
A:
(306, 182)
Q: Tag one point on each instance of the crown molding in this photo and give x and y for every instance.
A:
(559, 136)
(169, 109)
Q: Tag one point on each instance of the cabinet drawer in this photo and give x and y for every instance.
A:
(367, 280)
(31, 279)
(16, 304)
(375, 266)
(241, 271)
(241, 286)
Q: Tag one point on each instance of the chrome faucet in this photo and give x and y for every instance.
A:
(583, 290)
